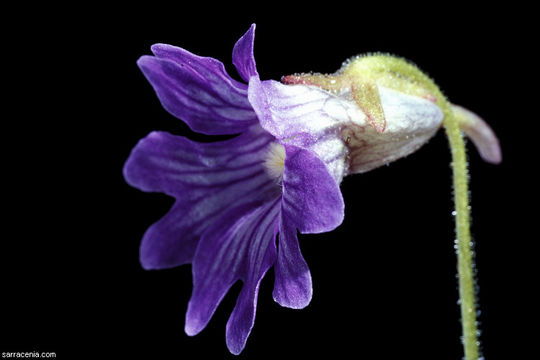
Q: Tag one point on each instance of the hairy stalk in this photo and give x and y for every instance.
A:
(464, 243)
(380, 66)
(361, 74)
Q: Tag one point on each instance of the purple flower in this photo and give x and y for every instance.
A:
(240, 202)
(230, 205)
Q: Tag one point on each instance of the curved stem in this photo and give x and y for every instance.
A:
(464, 243)
(381, 66)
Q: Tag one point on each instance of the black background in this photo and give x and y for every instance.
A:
(384, 281)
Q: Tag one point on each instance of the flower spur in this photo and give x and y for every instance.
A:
(296, 141)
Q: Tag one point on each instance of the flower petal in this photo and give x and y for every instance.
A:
(260, 231)
(243, 57)
(206, 180)
(292, 286)
(303, 116)
(311, 196)
(336, 129)
(218, 262)
(198, 91)
(311, 202)
(168, 242)
(410, 122)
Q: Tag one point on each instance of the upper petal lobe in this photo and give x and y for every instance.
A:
(243, 58)
(198, 91)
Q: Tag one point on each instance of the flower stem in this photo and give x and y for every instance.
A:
(384, 68)
(464, 243)
(462, 217)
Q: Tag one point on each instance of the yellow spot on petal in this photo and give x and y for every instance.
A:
(275, 161)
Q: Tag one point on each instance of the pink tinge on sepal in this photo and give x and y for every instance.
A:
(480, 133)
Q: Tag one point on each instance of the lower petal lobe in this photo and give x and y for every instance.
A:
(311, 203)
(292, 286)
(238, 246)
(260, 256)
(311, 196)
(220, 259)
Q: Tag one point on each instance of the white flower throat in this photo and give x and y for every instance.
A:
(378, 114)
(343, 137)
(364, 116)
(275, 161)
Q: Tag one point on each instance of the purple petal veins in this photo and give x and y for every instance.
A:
(311, 203)
(337, 131)
(243, 58)
(311, 196)
(240, 203)
(198, 91)
(188, 171)
(220, 258)
(260, 256)
(229, 211)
